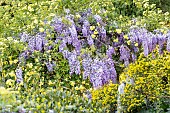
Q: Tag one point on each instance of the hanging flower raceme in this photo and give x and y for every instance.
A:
(58, 24)
(86, 63)
(73, 63)
(50, 66)
(99, 71)
(124, 54)
(19, 75)
(110, 52)
(111, 70)
(85, 29)
(168, 41)
(161, 41)
(24, 37)
(90, 40)
(37, 42)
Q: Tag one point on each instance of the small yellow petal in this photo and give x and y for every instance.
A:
(93, 36)
(125, 36)
(128, 42)
(41, 29)
(116, 40)
(118, 31)
(92, 27)
(136, 44)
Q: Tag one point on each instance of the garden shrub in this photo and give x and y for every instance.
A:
(147, 84)
(107, 95)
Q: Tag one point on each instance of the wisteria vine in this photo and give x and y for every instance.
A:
(76, 37)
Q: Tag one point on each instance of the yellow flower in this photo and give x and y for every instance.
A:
(118, 31)
(83, 82)
(72, 83)
(50, 83)
(38, 107)
(42, 111)
(92, 27)
(125, 36)
(128, 42)
(116, 40)
(30, 8)
(10, 82)
(15, 61)
(95, 32)
(78, 16)
(3, 91)
(36, 21)
(136, 44)
(30, 65)
(41, 29)
(58, 104)
(93, 36)
(137, 23)
(76, 88)
(12, 74)
(81, 87)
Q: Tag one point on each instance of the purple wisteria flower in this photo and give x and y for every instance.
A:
(90, 40)
(86, 63)
(99, 71)
(24, 37)
(74, 63)
(85, 28)
(32, 44)
(111, 70)
(19, 75)
(62, 45)
(102, 33)
(161, 41)
(168, 42)
(58, 25)
(110, 52)
(38, 43)
(50, 66)
(124, 54)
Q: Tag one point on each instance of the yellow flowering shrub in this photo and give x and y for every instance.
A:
(151, 83)
(107, 95)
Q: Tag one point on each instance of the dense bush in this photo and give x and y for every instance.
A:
(148, 84)
(107, 95)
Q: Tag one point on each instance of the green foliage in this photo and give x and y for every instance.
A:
(9, 50)
(59, 99)
(163, 4)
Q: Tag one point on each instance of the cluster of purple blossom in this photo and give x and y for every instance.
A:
(100, 70)
(149, 40)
